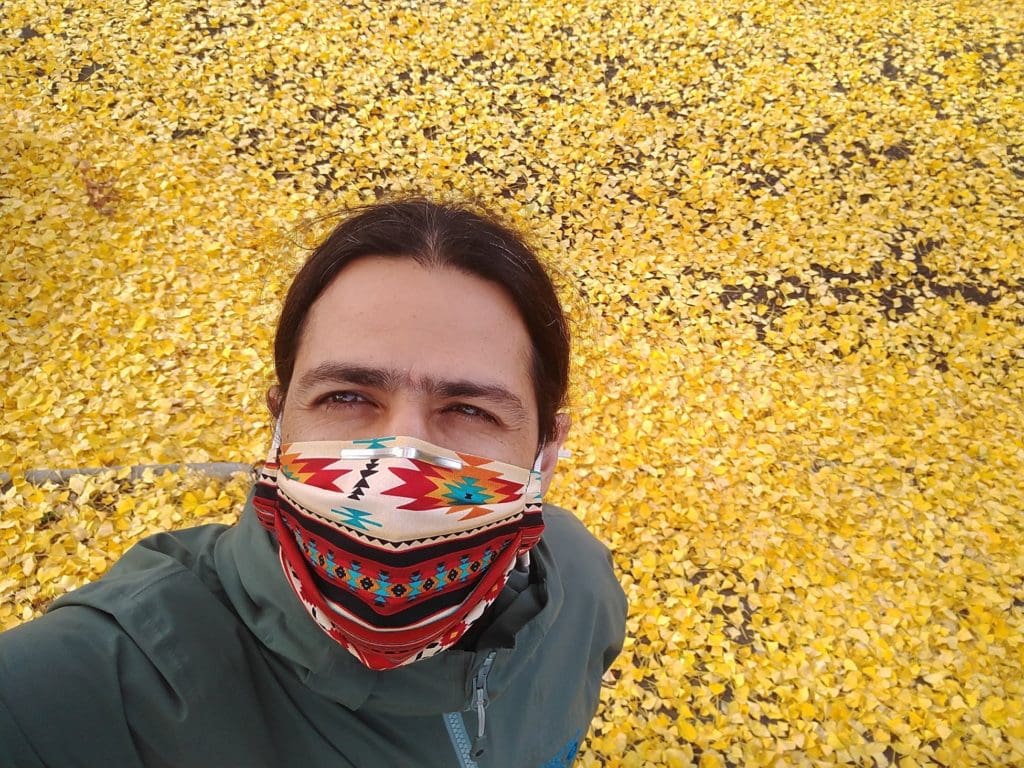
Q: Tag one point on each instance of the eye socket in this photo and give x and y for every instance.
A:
(341, 399)
(472, 412)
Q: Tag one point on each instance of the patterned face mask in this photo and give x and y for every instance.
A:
(395, 546)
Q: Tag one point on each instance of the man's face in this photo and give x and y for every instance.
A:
(395, 348)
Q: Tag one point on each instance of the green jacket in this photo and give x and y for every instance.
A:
(193, 651)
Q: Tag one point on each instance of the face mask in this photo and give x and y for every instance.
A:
(395, 546)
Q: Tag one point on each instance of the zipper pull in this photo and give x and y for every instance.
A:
(481, 701)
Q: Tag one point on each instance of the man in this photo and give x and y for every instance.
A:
(395, 594)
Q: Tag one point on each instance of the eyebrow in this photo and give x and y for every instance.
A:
(390, 379)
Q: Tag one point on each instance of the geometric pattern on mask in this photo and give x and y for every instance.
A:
(468, 489)
(375, 658)
(364, 480)
(311, 471)
(268, 498)
(529, 518)
(386, 589)
(356, 518)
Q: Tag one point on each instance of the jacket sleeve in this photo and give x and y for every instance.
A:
(594, 588)
(14, 747)
(617, 608)
(60, 701)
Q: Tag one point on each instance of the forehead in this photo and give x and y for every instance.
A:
(426, 321)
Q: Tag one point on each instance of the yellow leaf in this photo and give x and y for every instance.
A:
(687, 731)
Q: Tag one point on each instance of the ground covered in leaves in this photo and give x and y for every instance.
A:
(791, 236)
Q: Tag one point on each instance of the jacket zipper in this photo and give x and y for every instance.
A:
(480, 692)
(466, 750)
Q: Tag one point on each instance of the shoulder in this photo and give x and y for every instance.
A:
(585, 568)
(165, 597)
(165, 570)
(169, 574)
(131, 647)
(59, 674)
(189, 549)
(571, 544)
(111, 663)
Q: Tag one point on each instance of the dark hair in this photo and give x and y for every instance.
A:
(443, 235)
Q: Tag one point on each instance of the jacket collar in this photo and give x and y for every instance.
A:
(250, 572)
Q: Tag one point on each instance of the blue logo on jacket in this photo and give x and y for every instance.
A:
(566, 755)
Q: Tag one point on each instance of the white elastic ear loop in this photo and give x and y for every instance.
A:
(275, 443)
(536, 475)
(562, 454)
(523, 560)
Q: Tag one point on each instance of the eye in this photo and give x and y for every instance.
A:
(345, 398)
(471, 412)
